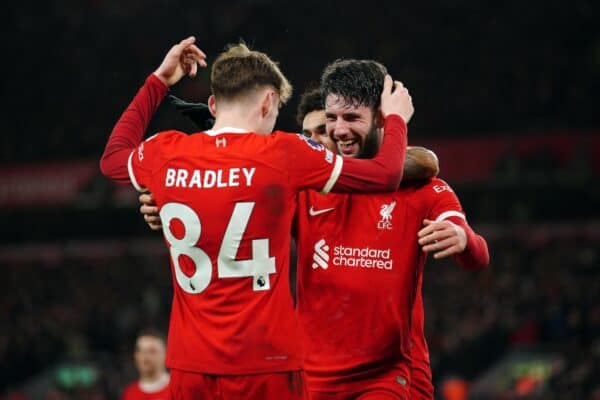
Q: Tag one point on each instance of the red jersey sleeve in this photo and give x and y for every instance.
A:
(129, 129)
(309, 164)
(446, 206)
(444, 203)
(141, 161)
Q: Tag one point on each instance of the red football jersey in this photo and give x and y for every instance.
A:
(420, 369)
(154, 391)
(226, 201)
(359, 267)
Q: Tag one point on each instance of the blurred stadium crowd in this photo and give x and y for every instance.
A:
(82, 276)
(539, 294)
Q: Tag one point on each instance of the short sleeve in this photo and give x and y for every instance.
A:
(444, 202)
(142, 159)
(309, 164)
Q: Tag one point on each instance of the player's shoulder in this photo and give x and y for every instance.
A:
(297, 140)
(434, 184)
(437, 186)
(426, 187)
(165, 137)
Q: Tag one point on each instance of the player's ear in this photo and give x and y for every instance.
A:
(268, 102)
(212, 105)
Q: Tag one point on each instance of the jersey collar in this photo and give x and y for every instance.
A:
(227, 129)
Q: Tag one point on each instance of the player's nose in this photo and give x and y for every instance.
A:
(341, 130)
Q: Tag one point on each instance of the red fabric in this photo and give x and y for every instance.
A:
(134, 392)
(237, 193)
(191, 386)
(357, 320)
(384, 386)
(421, 384)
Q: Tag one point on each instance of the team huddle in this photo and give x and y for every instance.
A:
(230, 199)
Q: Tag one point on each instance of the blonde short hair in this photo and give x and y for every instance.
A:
(238, 71)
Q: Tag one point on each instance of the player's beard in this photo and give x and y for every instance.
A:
(370, 144)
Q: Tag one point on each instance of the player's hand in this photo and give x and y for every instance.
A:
(183, 59)
(442, 238)
(150, 211)
(396, 100)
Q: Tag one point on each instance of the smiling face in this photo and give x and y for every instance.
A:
(313, 127)
(352, 127)
(352, 93)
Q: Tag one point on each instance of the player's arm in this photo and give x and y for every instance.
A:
(182, 59)
(420, 164)
(447, 233)
(379, 174)
(454, 236)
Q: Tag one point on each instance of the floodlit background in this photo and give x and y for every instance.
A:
(506, 94)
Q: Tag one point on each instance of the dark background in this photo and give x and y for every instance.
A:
(79, 281)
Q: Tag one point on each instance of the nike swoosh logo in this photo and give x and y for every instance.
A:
(312, 212)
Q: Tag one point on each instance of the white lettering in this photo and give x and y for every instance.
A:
(365, 257)
(196, 179)
(170, 178)
(182, 175)
(210, 178)
(249, 173)
(220, 182)
(234, 176)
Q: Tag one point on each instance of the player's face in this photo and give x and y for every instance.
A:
(351, 127)
(149, 354)
(313, 126)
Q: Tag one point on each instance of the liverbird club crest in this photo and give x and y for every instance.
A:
(386, 216)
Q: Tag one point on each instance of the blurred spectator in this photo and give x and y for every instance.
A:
(149, 357)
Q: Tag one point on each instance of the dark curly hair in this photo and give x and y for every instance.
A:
(310, 101)
(358, 82)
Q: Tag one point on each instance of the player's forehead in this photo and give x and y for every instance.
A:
(149, 342)
(339, 105)
(313, 119)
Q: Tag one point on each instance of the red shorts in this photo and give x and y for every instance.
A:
(185, 385)
(389, 385)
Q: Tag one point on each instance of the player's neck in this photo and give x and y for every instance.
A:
(153, 377)
(237, 118)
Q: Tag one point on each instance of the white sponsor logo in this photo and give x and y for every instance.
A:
(365, 257)
(321, 255)
(351, 257)
(386, 216)
(312, 212)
